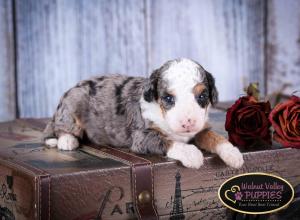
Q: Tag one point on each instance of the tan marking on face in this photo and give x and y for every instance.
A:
(163, 110)
(198, 88)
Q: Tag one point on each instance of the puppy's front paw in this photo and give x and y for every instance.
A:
(189, 155)
(67, 142)
(51, 142)
(230, 155)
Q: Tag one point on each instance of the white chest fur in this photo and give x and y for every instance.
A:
(152, 112)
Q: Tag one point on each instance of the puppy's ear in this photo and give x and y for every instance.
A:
(213, 93)
(150, 89)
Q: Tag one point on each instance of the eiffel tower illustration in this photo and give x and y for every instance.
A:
(177, 212)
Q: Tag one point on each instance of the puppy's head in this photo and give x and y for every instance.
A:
(183, 91)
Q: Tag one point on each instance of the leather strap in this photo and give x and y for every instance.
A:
(44, 197)
(141, 180)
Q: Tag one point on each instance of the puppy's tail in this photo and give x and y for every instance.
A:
(49, 135)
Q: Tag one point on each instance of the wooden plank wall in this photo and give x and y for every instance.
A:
(73, 40)
(61, 42)
(225, 36)
(7, 59)
(283, 48)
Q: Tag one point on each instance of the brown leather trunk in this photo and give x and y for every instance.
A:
(37, 182)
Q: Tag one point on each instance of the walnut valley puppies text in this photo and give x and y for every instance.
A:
(256, 193)
(263, 191)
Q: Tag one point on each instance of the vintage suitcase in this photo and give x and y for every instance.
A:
(41, 183)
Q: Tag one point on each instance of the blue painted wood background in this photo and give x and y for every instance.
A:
(49, 45)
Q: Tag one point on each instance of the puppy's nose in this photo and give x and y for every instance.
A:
(188, 124)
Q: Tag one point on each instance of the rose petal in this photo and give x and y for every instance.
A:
(274, 119)
(247, 121)
(285, 134)
(230, 114)
(260, 119)
(284, 142)
(278, 108)
(292, 126)
(243, 112)
(282, 123)
(297, 125)
(285, 120)
(264, 120)
(267, 107)
(237, 140)
(251, 119)
(295, 99)
(294, 108)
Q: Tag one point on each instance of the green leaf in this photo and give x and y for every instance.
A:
(253, 90)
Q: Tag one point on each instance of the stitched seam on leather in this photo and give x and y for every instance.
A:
(35, 190)
(40, 196)
(49, 201)
(152, 176)
(116, 158)
(16, 165)
(40, 205)
(130, 154)
(135, 194)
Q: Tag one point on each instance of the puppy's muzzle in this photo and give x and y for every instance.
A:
(188, 125)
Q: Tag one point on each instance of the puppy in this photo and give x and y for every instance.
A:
(159, 115)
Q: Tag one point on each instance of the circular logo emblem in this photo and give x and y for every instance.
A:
(256, 193)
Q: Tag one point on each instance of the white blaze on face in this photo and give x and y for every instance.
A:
(181, 77)
(186, 116)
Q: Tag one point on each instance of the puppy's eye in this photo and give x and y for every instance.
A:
(168, 99)
(202, 99)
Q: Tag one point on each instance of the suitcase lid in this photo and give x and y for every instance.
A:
(21, 140)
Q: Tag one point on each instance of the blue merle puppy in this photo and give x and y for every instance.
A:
(156, 115)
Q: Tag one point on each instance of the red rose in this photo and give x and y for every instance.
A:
(247, 122)
(285, 119)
